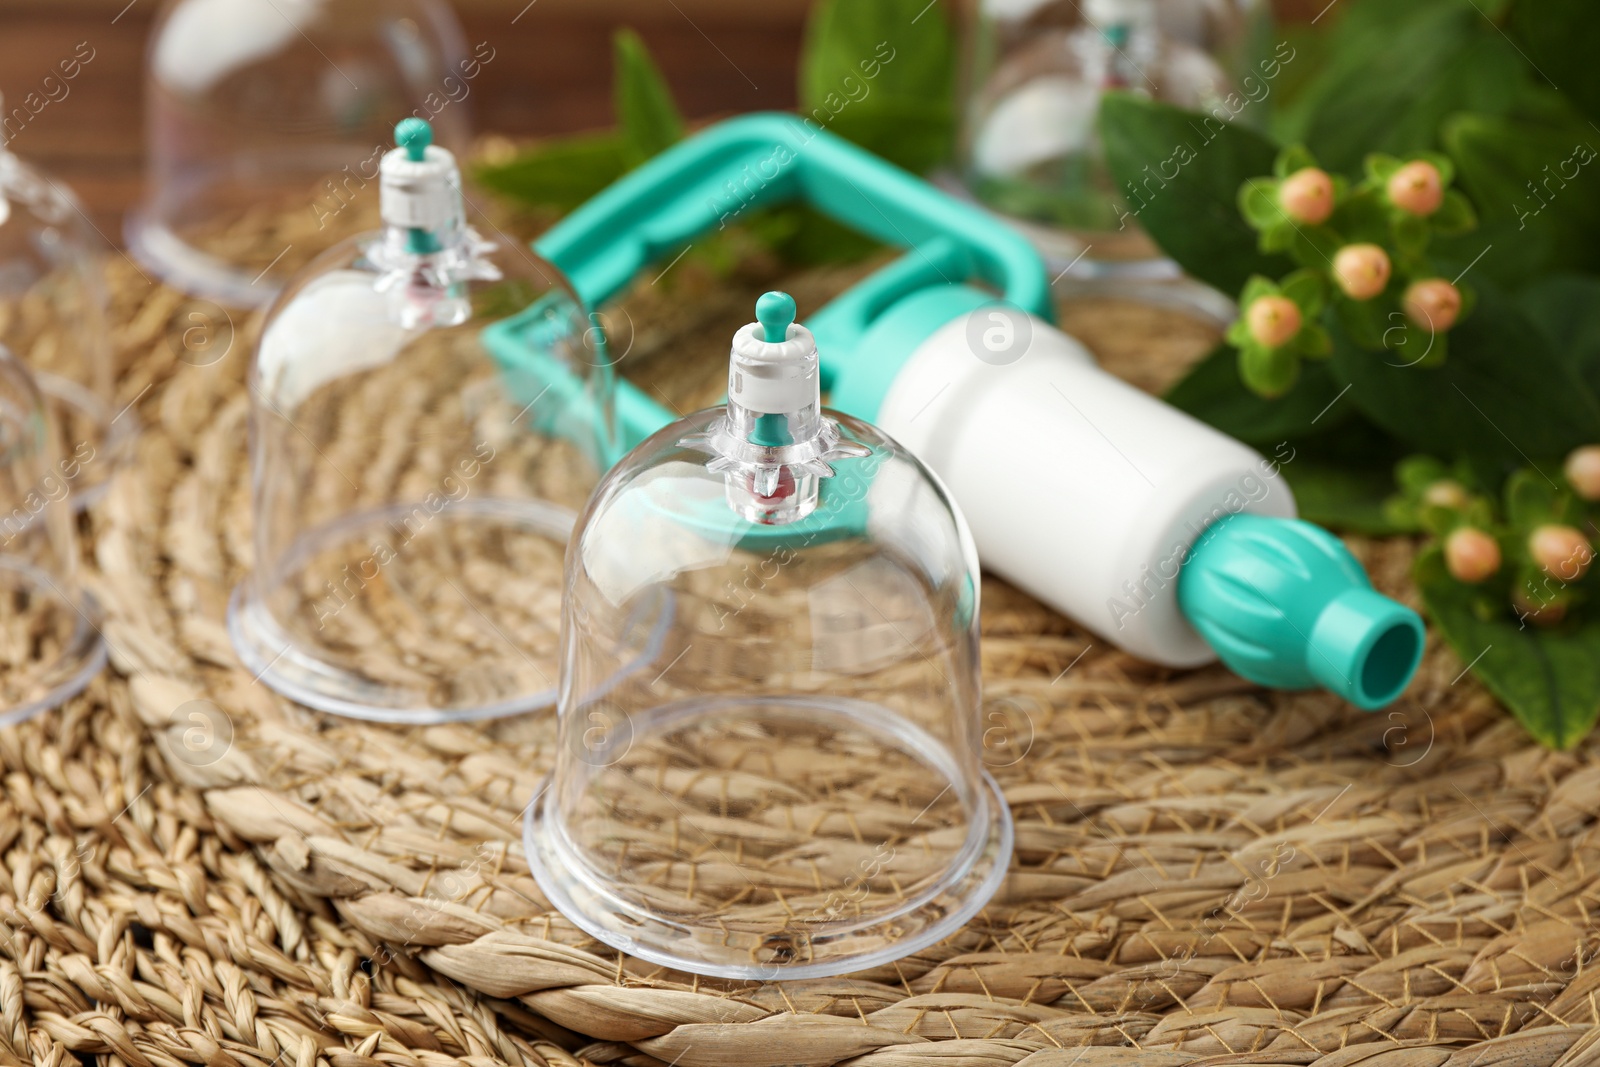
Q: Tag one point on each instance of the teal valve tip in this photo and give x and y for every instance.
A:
(1284, 604)
(775, 311)
(414, 135)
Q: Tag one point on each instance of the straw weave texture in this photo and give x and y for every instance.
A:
(1205, 872)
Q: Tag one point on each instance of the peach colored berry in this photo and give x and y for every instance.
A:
(1362, 271)
(1471, 555)
(1274, 320)
(1560, 551)
(1583, 471)
(1433, 304)
(1447, 494)
(1540, 612)
(1307, 196)
(1417, 188)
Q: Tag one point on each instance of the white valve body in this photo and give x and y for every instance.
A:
(773, 379)
(1079, 488)
(420, 194)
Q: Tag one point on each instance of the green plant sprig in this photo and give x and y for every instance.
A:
(881, 73)
(1509, 581)
(1386, 87)
(1362, 249)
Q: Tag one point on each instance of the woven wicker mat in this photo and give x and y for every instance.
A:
(1205, 872)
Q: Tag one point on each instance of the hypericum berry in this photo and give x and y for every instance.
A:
(1274, 320)
(1447, 494)
(1307, 196)
(1433, 304)
(1417, 188)
(1583, 471)
(1560, 551)
(1471, 555)
(1362, 271)
(1539, 612)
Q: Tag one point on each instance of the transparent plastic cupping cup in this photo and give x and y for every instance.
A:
(412, 501)
(50, 642)
(769, 758)
(1029, 146)
(53, 317)
(258, 107)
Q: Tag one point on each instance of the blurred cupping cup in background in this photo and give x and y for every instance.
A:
(53, 317)
(50, 641)
(255, 105)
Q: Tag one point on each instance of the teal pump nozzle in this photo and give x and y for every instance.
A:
(1284, 604)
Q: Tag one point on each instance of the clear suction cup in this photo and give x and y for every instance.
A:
(412, 499)
(1030, 150)
(265, 109)
(53, 317)
(50, 644)
(1238, 34)
(769, 760)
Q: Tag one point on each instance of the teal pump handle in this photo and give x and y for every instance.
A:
(714, 177)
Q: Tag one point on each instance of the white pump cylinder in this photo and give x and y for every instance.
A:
(1055, 431)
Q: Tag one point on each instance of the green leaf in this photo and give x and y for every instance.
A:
(1381, 167)
(1256, 288)
(882, 74)
(1397, 70)
(1441, 163)
(1280, 237)
(1193, 214)
(1482, 403)
(1314, 342)
(1562, 38)
(1548, 678)
(1306, 289)
(1346, 499)
(1214, 393)
(1414, 474)
(1292, 159)
(1566, 309)
(1455, 215)
(1314, 247)
(646, 114)
(1411, 234)
(1531, 501)
(1365, 322)
(559, 174)
(1438, 353)
(1344, 480)
(1270, 372)
(1363, 216)
(1537, 189)
(1258, 203)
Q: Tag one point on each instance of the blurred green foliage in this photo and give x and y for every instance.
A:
(1505, 94)
(880, 73)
